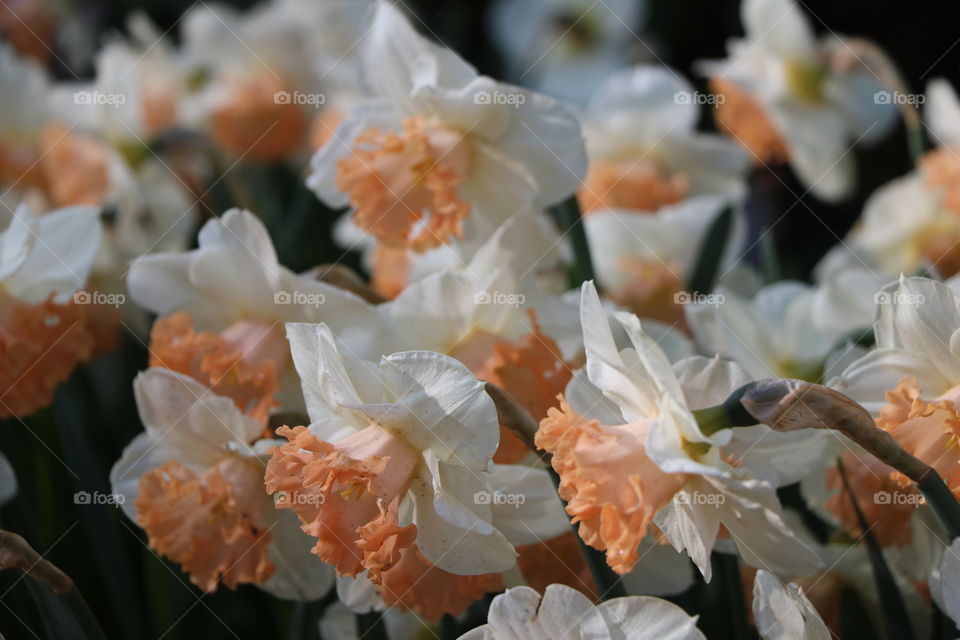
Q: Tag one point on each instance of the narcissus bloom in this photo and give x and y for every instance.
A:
(521, 614)
(910, 382)
(643, 262)
(438, 148)
(43, 333)
(789, 97)
(630, 453)
(194, 482)
(393, 474)
(789, 328)
(233, 285)
(644, 149)
(912, 224)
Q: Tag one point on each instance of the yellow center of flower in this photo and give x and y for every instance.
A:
(806, 80)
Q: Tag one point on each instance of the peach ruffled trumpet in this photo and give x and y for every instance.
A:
(612, 488)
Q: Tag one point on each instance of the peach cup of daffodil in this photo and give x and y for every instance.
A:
(194, 482)
(911, 380)
(387, 476)
(44, 334)
(631, 455)
(789, 96)
(438, 152)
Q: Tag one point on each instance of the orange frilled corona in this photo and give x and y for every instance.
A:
(40, 345)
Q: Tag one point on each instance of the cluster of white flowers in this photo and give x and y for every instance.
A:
(463, 421)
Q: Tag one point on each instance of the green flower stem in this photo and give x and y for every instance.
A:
(572, 221)
(894, 611)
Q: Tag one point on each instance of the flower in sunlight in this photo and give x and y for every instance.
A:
(788, 96)
(789, 329)
(437, 148)
(234, 292)
(910, 380)
(643, 262)
(44, 260)
(521, 614)
(912, 223)
(393, 475)
(644, 150)
(194, 482)
(630, 454)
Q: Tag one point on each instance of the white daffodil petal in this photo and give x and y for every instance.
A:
(942, 111)
(783, 612)
(780, 26)
(452, 414)
(298, 575)
(637, 617)
(524, 504)
(60, 256)
(458, 550)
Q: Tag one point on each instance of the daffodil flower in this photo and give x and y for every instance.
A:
(393, 476)
(788, 329)
(521, 614)
(644, 262)
(912, 224)
(630, 454)
(44, 260)
(194, 482)
(788, 96)
(910, 381)
(438, 152)
(233, 285)
(644, 150)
